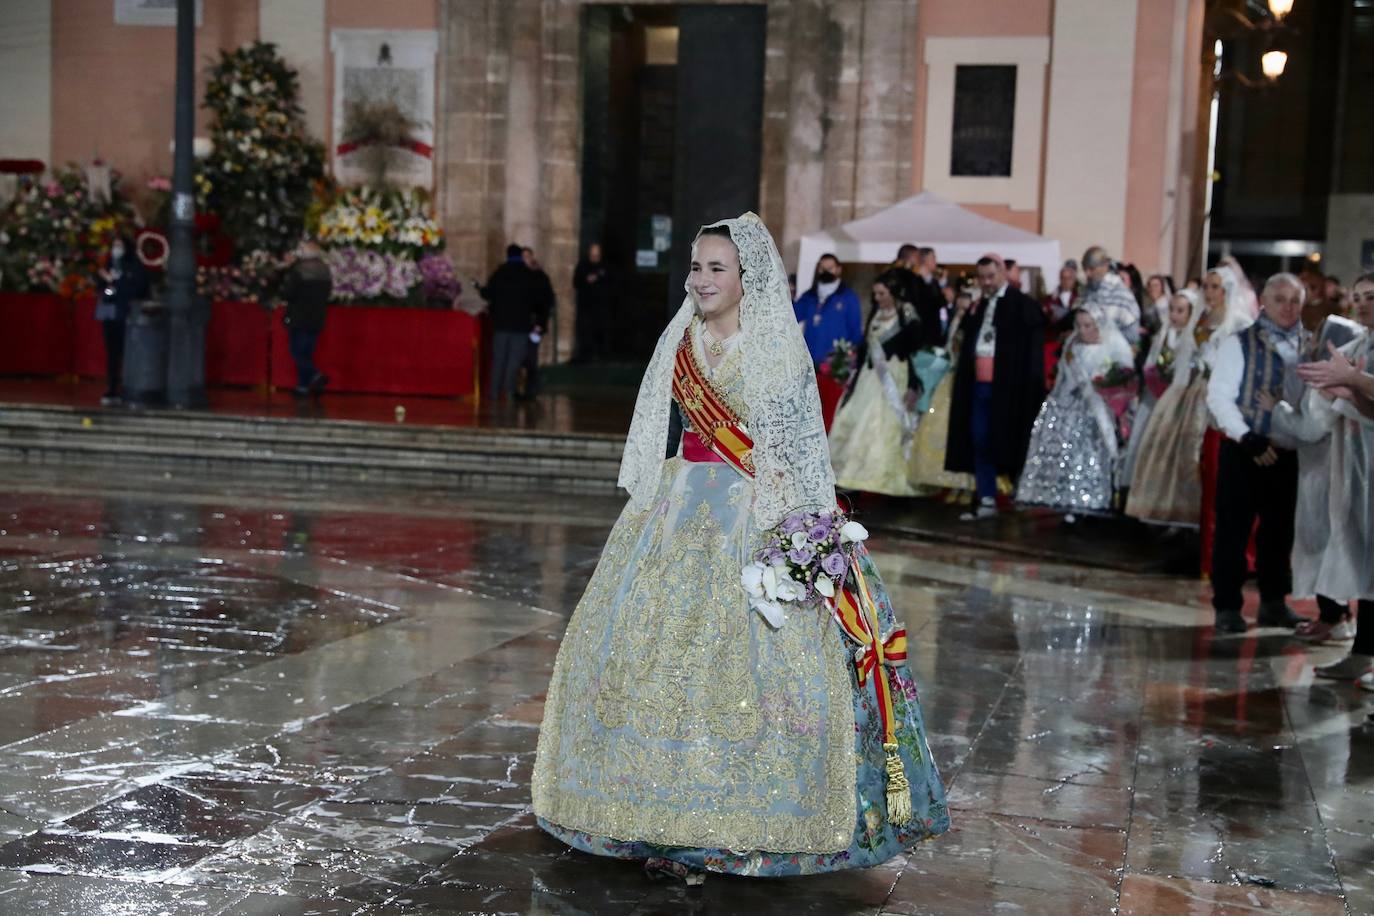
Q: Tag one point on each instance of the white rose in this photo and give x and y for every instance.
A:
(790, 590)
(853, 533)
(825, 586)
(799, 539)
(752, 579)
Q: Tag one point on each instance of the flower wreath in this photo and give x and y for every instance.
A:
(151, 239)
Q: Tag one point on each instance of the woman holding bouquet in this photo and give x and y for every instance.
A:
(870, 439)
(1166, 346)
(683, 727)
(1073, 444)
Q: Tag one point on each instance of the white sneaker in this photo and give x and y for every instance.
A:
(987, 508)
(1343, 631)
(1366, 681)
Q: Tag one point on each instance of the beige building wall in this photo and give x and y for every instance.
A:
(299, 28)
(26, 69)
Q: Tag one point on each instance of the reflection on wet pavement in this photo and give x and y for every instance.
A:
(217, 698)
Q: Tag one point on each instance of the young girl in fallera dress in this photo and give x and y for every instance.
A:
(1073, 448)
(681, 727)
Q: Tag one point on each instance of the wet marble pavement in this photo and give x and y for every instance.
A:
(224, 699)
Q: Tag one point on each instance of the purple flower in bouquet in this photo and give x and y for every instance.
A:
(774, 556)
(833, 564)
(792, 524)
(801, 556)
(439, 278)
(820, 532)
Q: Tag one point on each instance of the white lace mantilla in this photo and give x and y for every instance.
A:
(791, 453)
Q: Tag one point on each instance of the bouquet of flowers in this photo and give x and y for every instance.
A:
(1117, 388)
(804, 558)
(839, 365)
(438, 279)
(1159, 376)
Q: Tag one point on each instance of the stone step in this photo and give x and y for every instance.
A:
(309, 449)
(313, 430)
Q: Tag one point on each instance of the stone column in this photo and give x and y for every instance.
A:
(26, 74)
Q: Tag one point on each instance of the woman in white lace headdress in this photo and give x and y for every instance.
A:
(681, 727)
(1073, 447)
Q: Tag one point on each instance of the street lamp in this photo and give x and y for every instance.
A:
(1280, 8)
(1273, 62)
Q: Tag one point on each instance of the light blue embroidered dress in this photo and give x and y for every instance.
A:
(680, 725)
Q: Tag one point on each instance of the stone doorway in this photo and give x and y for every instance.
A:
(672, 118)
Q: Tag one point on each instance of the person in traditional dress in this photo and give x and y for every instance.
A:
(1257, 467)
(871, 436)
(1309, 422)
(928, 445)
(1346, 572)
(1230, 310)
(1108, 296)
(1073, 445)
(1166, 440)
(998, 388)
(681, 727)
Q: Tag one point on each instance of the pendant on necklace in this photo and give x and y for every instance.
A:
(715, 347)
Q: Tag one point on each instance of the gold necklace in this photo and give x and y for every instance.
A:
(715, 347)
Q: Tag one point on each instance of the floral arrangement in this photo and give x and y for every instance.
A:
(254, 279)
(260, 173)
(805, 557)
(59, 230)
(438, 279)
(1116, 376)
(378, 128)
(385, 220)
(362, 274)
(1117, 388)
(839, 365)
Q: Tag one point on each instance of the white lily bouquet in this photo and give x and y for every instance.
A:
(807, 556)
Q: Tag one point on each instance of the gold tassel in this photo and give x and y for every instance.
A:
(898, 789)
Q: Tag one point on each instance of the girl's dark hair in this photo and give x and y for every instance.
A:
(723, 232)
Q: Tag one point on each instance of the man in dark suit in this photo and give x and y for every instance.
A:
(998, 386)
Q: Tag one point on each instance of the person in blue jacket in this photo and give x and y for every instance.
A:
(829, 311)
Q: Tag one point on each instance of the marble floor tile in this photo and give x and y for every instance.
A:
(228, 699)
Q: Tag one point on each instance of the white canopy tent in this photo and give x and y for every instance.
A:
(958, 236)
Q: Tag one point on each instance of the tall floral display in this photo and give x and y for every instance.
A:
(260, 177)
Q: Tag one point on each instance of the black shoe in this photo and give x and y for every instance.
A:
(318, 384)
(1231, 622)
(1278, 614)
(301, 392)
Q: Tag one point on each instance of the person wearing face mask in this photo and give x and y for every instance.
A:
(829, 312)
(1257, 467)
(126, 282)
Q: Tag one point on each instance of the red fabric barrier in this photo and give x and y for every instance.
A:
(380, 350)
(237, 344)
(88, 341)
(37, 334)
(388, 351)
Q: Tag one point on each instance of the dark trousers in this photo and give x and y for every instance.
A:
(302, 344)
(984, 464)
(531, 369)
(508, 352)
(114, 356)
(591, 332)
(1364, 629)
(1246, 491)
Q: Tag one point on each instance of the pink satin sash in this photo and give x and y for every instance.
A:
(693, 449)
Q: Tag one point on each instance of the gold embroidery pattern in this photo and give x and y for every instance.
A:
(675, 715)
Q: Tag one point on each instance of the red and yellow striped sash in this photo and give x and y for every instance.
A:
(717, 425)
